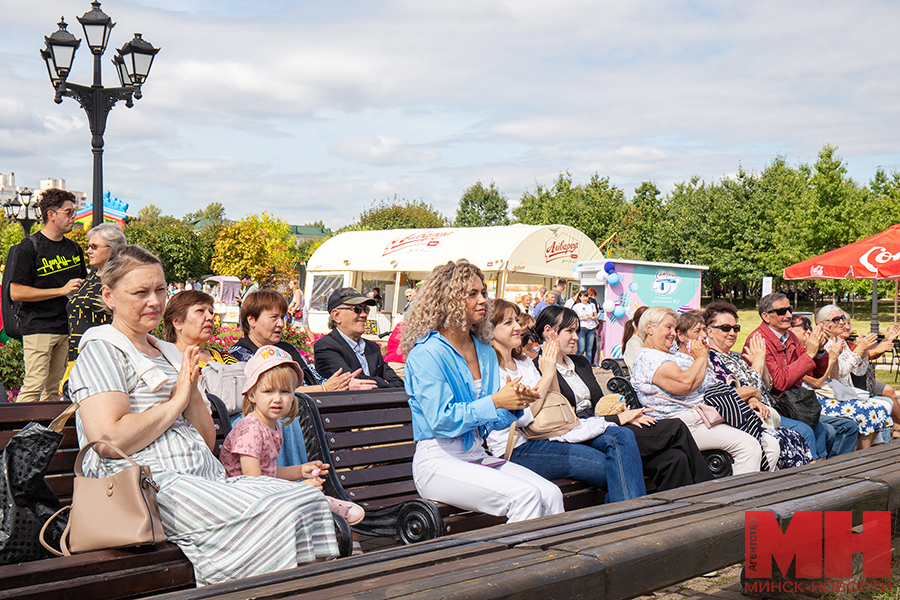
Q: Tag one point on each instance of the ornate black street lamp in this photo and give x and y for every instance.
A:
(132, 64)
(21, 210)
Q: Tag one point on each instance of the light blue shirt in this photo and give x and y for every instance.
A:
(359, 348)
(442, 393)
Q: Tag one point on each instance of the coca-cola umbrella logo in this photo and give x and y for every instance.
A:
(881, 256)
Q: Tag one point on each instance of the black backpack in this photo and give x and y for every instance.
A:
(9, 306)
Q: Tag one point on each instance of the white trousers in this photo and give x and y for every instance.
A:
(442, 472)
(742, 447)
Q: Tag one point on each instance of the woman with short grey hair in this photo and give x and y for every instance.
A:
(86, 308)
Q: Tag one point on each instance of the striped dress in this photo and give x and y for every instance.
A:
(229, 528)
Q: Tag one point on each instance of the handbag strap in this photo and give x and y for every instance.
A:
(510, 441)
(682, 402)
(59, 422)
(62, 540)
(109, 444)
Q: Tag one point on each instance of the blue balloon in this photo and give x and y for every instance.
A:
(619, 311)
(613, 278)
(609, 267)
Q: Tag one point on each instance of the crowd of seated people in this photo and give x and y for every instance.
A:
(477, 373)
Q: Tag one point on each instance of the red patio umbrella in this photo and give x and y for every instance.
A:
(876, 257)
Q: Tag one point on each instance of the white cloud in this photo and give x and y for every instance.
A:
(317, 109)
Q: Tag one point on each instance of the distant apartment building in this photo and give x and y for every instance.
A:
(8, 189)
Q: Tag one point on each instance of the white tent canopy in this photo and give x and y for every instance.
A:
(545, 250)
(507, 254)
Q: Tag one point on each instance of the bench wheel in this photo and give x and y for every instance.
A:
(419, 521)
(719, 462)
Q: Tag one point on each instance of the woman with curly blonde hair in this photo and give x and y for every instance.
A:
(456, 398)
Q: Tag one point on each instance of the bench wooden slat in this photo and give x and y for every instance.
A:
(378, 473)
(24, 412)
(366, 418)
(362, 493)
(366, 456)
(368, 437)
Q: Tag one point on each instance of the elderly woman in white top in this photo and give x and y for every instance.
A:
(871, 414)
(661, 377)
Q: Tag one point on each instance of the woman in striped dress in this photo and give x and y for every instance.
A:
(141, 394)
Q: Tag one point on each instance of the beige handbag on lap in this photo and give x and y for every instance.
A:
(110, 512)
(555, 417)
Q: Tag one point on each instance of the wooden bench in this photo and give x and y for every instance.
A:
(124, 573)
(367, 438)
(616, 551)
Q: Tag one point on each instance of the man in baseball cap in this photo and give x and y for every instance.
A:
(345, 348)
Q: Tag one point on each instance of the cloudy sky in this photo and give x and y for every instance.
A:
(312, 110)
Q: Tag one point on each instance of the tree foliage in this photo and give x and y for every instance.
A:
(398, 213)
(258, 244)
(181, 250)
(744, 227)
(482, 207)
(214, 211)
(596, 208)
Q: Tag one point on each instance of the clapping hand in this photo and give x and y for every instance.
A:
(514, 395)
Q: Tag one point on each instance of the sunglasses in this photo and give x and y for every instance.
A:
(727, 328)
(782, 311)
(358, 309)
(97, 246)
(838, 319)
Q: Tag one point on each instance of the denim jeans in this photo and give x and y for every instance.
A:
(842, 434)
(587, 346)
(815, 437)
(611, 461)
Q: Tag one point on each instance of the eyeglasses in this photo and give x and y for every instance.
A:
(358, 309)
(838, 319)
(726, 328)
(69, 212)
(782, 311)
(97, 246)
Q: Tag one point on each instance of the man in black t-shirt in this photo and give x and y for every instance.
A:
(46, 272)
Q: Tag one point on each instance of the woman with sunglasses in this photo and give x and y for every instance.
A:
(720, 318)
(86, 308)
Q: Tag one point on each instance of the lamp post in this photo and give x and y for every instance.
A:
(19, 211)
(132, 64)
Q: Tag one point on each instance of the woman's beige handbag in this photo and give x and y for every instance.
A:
(110, 512)
(556, 417)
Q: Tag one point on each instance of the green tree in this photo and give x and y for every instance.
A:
(482, 207)
(595, 208)
(642, 230)
(181, 250)
(398, 213)
(258, 244)
(149, 214)
(214, 211)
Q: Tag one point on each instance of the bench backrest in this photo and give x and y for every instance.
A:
(369, 435)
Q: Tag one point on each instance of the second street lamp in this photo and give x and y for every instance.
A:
(23, 212)
(132, 64)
